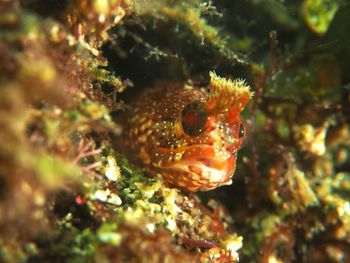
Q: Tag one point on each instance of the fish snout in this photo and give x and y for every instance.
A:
(202, 168)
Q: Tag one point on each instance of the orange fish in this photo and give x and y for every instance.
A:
(188, 134)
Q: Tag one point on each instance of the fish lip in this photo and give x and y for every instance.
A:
(215, 169)
(217, 159)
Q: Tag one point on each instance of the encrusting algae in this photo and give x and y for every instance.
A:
(73, 72)
(187, 134)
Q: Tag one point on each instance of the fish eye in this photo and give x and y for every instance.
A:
(242, 133)
(193, 118)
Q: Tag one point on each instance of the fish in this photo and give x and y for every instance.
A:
(188, 133)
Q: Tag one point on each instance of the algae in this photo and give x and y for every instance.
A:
(68, 68)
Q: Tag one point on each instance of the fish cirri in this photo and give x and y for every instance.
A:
(190, 135)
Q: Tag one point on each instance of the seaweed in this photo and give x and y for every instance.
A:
(68, 68)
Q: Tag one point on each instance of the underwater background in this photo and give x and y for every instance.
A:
(68, 69)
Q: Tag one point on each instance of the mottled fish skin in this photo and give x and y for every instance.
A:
(181, 132)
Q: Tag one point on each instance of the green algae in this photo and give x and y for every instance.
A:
(67, 195)
(319, 14)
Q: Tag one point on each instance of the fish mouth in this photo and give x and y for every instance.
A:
(201, 167)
